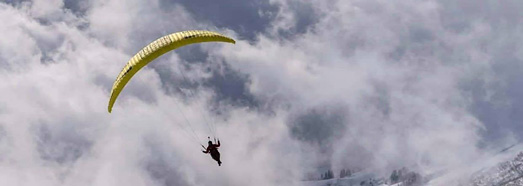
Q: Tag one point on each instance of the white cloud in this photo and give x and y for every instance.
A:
(383, 80)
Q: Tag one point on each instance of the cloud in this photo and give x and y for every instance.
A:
(308, 86)
(401, 71)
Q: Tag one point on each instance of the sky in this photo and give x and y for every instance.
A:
(309, 86)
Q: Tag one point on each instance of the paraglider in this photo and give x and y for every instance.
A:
(155, 50)
(158, 48)
(213, 149)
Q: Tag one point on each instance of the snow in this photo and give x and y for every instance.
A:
(359, 178)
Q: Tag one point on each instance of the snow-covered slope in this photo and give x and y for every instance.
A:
(492, 172)
(508, 173)
(359, 178)
(364, 178)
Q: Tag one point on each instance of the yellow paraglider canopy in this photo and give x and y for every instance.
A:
(158, 48)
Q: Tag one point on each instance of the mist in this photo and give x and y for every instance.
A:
(309, 85)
